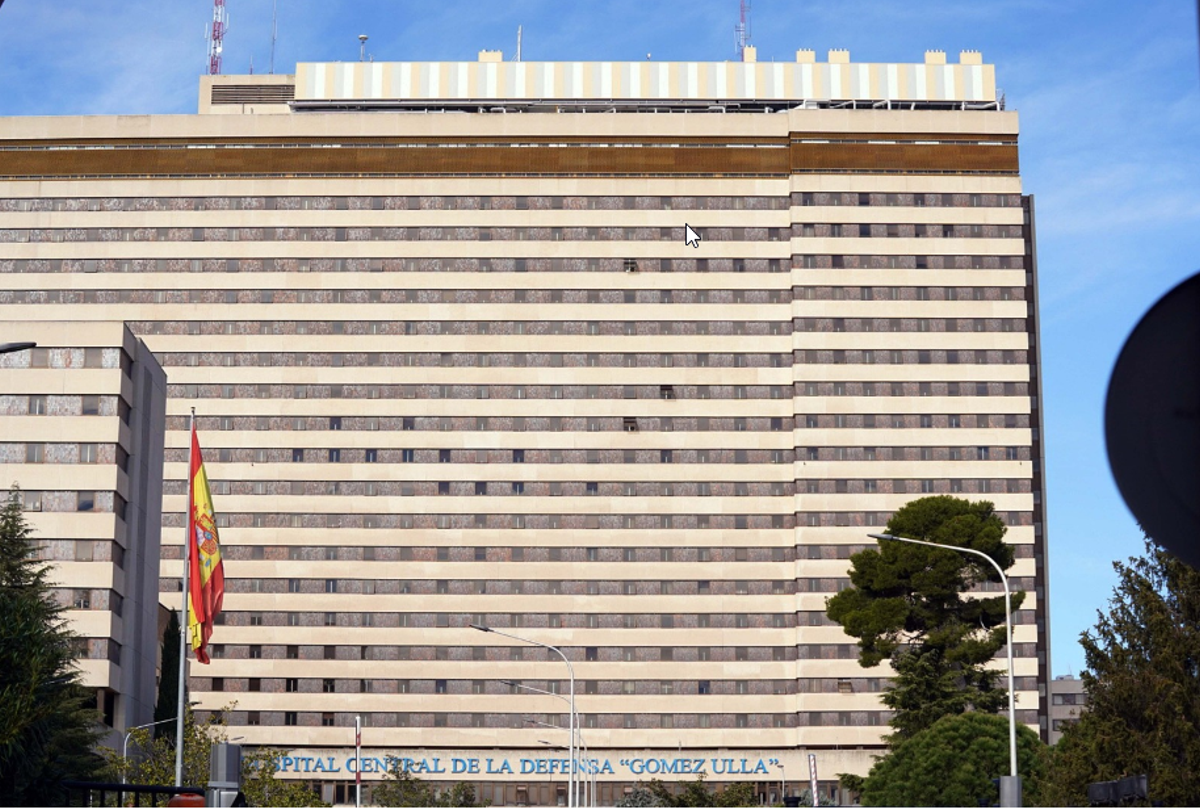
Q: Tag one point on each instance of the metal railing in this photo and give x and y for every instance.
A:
(98, 793)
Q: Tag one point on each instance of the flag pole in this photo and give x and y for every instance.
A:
(188, 542)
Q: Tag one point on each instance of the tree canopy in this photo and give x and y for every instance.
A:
(907, 606)
(1143, 688)
(953, 762)
(152, 762)
(401, 788)
(47, 734)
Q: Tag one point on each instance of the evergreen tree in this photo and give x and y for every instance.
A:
(1143, 688)
(953, 763)
(46, 732)
(906, 605)
(167, 705)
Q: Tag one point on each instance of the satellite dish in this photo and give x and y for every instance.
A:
(1152, 421)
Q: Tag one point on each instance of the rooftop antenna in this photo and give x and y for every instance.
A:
(216, 40)
(362, 47)
(518, 43)
(741, 31)
(274, 31)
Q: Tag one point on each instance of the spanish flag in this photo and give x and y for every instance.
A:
(206, 575)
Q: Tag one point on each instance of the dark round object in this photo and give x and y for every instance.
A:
(1152, 421)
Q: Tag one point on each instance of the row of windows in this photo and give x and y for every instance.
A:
(479, 720)
(807, 198)
(881, 356)
(96, 649)
(469, 265)
(900, 230)
(462, 359)
(58, 501)
(289, 296)
(610, 654)
(509, 587)
(910, 324)
(515, 554)
(63, 453)
(502, 521)
(595, 202)
(575, 296)
(42, 357)
(367, 233)
(852, 388)
(339, 685)
(67, 405)
(631, 328)
(494, 488)
(421, 620)
(84, 599)
(895, 262)
(591, 424)
(908, 293)
(603, 654)
(663, 392)
(81, 550)
(396, 203)
(628, 489)
(558, 456)
(569, 456)
(464, 264)
(431, 553)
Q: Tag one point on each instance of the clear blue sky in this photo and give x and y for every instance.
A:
(1110, 120)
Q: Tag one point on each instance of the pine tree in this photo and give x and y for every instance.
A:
(1143, 688)
(46, 732)
(907, 606)
(167, 706)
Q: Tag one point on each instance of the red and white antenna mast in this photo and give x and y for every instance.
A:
(216, 39)
(741, 31)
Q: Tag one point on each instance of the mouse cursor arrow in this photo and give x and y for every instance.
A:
(690, 237)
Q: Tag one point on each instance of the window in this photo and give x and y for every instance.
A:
(289, 718)
(518, 456)
(371, 456)
(91, 405)
(407, 455)
(86, 501)
(297, 456)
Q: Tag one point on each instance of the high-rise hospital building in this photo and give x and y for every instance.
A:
(453, 363)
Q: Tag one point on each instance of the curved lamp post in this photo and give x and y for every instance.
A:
(572, 784)
(1012, 795)
(8, 348)
(125, 746)
(587, 783)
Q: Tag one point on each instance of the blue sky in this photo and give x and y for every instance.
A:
(1110, 119)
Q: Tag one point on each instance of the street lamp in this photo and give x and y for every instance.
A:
(782, 782)
(8, 348)
(125, 746)
(572, 781)
(1010, 785)
(578, 733)
(589, 784)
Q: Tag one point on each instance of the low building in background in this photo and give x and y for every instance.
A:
(81, 432)
(1067, 702)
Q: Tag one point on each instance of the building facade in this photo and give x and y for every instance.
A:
(81, 434)
(453, 364)
(1067, 700)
